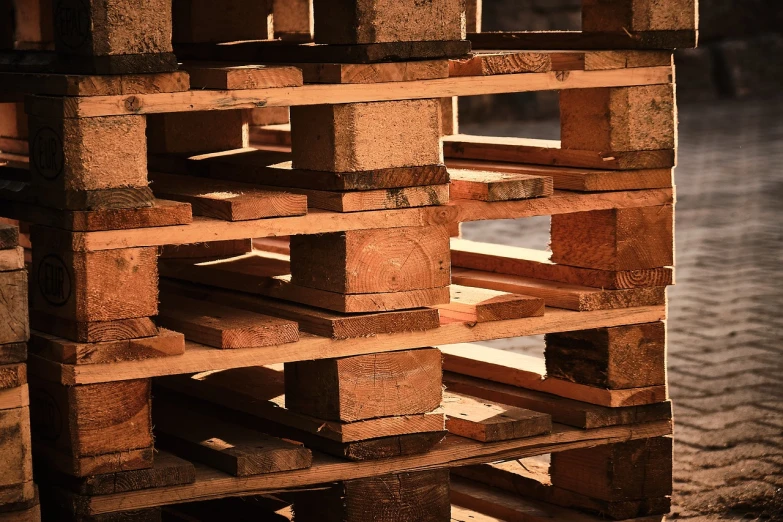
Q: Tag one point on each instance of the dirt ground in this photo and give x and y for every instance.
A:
(725, 323)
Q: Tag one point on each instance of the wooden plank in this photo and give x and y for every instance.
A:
(581, 180)
(229, 447)
(489, 64)
(562, 295)
(480, 305)
(454, 451)
(487, 421)
(383, 199)
(199, 358)
(567, 40)
(204, 100)
(550, 152)
(536, 264)
(227, 200)
(206, 75)
(255, 274)
(15, 397)
(199, 132)
(372, 261)
(13, 353)
(563, 411)
(605, 60)
(11, 259)
(363, 387)
(621, 239)
(230, 248)
(17, 473)
(93, 331)
(631, 356)
(313, 320)
(85, 466)
(222, 326)
(163, 343)
(529, 372)
(497, 186)
(346, 73)
(259, 392)
(14, 327)
(91, 85)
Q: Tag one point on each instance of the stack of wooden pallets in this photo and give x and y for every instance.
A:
(241, 311)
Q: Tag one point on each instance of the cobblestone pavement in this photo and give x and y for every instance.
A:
(725, 321)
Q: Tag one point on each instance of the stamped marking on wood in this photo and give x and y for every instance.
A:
(47, 154)
(54, 281)
(72, 23)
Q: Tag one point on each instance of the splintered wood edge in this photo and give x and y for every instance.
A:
(310, 94)
(453, 451)
(199, 358)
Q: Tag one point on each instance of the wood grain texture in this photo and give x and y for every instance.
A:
(313, 320)
(562, 295)
(162, 343)
(15, 452)
(212, 75)
(366, 386)
(223, 326)
(487, 421)
(94, 85)
(366, 136)
(480, 305)
(536, 264)
(550, 152)
(621, 239)
(9, 236)
(13, 375)
(85, 466)
(93, 331)
(344, 73)
(631, 356)
(14, 324)
(13, 353)
(530, 372)
(382, 199)
(497, 186)
(226, 199)
(511, 62)
(372, 261)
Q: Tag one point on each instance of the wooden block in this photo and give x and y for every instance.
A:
(529, 372)
(562, 295)
(85, 466)
(615, 358)
(639, 15)
(9, 236)
(163, 344)
(449, 116)
(224, 326)
(367, 22)
(194, 132)
(227, 248)
(497, 186)
(93, 331)
(491, 421)
(228, 200)
(92, 420)
(167, 470)
(618, 239)
(229, 447)
(258, 274)
(82, 154)
(14, 327)
(530, 478)
(563, 411)
(422, 495)
(358, 73)
(606, 60)
(13, 375)
(223, 76)
(365, 386)
(11, 259)
(314, 320)
(269, 116)
(509, 62)
(366, 136)
(229, 21)
(93, 28)
(535, 264)
(275, 169)
(550, 152)
(293, 18)
(13, 353)
(618, 119)
(367, 261)
(92, 286)
(479, 305)
(15, 453)
(625, 471)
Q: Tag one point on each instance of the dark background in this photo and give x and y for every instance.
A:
(740, 53)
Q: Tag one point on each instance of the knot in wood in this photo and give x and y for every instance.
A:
(562, 75)
(133, 104)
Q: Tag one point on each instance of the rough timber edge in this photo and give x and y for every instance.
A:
(200, 358)
(311, 94)
(453, 451)
(316, 222)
